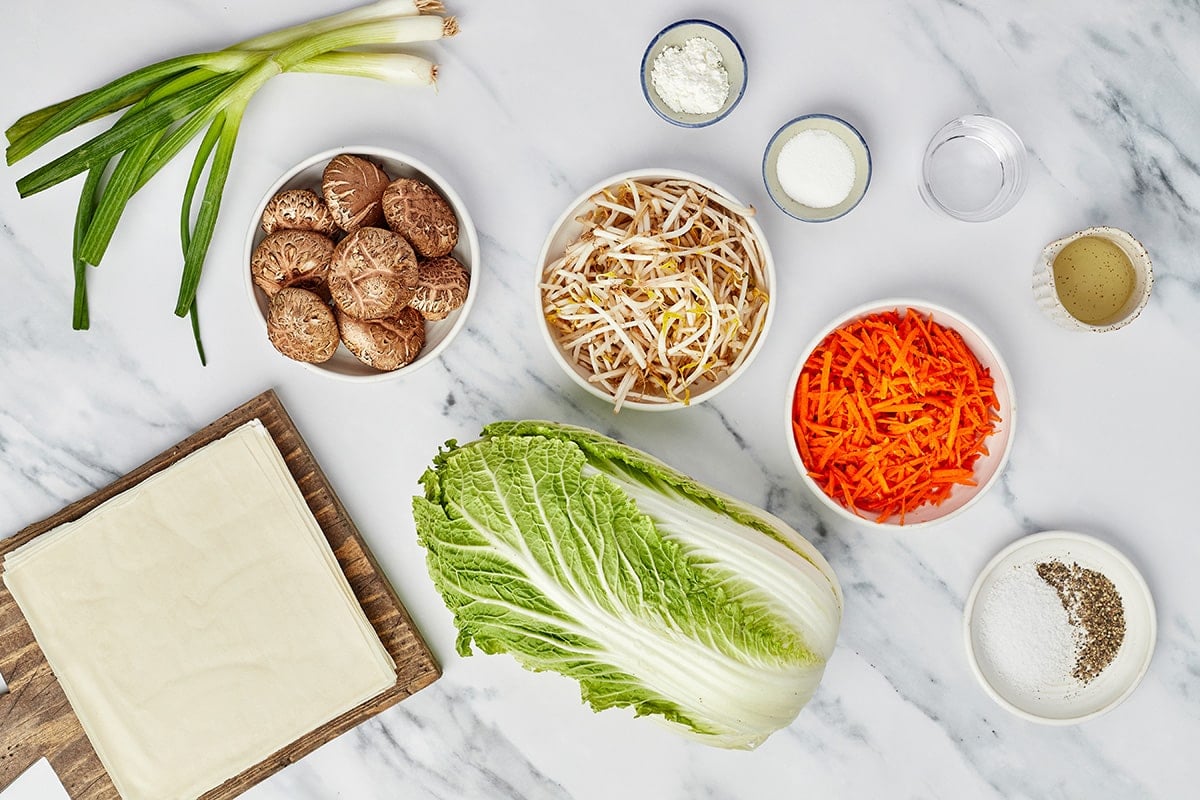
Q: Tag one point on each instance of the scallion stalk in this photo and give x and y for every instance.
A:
(402, 69)
(381, 9)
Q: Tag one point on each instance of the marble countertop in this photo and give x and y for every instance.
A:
(536, 101)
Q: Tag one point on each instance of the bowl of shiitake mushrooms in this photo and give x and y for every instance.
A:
(360, 261)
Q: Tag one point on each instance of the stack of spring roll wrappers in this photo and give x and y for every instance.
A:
(199, 621)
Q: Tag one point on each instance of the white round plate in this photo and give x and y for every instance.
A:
(1068, 703)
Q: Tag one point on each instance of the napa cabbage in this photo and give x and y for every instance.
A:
(579, 554)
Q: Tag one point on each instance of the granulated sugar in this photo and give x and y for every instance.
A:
(1025, 633)
(816, 168)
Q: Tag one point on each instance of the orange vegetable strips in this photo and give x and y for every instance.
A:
(891, 411)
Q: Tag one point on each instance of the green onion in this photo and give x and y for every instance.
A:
(210, 204)
(169, 103)
(83, 218)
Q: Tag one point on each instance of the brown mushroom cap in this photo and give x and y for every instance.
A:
(442, 287)
(353, 189)
(418, 213)
(301, 326)
(374, 274)
(298, 210)
(384, 344)
(289, 258)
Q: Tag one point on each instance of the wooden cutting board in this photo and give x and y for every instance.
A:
(37, 720)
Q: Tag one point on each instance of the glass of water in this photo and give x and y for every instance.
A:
(975, 169)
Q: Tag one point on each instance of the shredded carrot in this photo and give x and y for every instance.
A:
(891, 412)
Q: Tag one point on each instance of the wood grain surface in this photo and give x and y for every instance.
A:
(37, 720)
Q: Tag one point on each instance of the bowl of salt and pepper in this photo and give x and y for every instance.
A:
(1059, 627)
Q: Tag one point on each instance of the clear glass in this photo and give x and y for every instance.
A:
(975, 169)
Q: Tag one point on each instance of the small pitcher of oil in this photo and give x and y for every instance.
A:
(1097, 280)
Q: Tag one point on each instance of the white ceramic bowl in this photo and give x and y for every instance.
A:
(987, 467)
(438, 335)
(566, 229)
(732, 57)
(1067, 703)
(858, 150)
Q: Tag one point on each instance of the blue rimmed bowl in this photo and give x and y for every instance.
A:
(858, 149)
(732, 57)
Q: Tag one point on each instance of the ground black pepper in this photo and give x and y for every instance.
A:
(1094, 605)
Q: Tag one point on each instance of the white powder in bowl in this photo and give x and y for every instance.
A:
(691, 79)
(816, 168)
(1024, 632)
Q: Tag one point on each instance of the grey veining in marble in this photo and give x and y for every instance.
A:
(537, 101)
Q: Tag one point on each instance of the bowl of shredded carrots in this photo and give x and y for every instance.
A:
(900, 413)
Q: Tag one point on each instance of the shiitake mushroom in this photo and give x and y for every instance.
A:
(301, 326)
(298, 209)
(353, 190)
(417, 212)
(374, 274)
(385, 344)
(442, 285)
(292, 258)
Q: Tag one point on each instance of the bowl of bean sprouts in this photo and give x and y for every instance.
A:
(655, 289)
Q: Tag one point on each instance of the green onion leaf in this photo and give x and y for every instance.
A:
(133, 127)
(123, 90)
(34, 119)
(206, 219)
(189, 194)
(118, 190)
(240, 92)
(83, 217)
(194, 313)
(125, 180)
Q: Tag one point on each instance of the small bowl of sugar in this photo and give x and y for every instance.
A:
(693, 73)
(817, 168)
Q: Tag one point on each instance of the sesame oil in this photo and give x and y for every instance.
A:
(1094, 279)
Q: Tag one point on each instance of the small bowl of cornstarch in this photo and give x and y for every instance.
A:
(693, 73)
(817, 168)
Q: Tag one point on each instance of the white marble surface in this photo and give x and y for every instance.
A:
(539, 100)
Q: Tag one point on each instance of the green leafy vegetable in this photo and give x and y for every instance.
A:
(578, 554)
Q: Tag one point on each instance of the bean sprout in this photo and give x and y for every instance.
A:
(664, 293)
